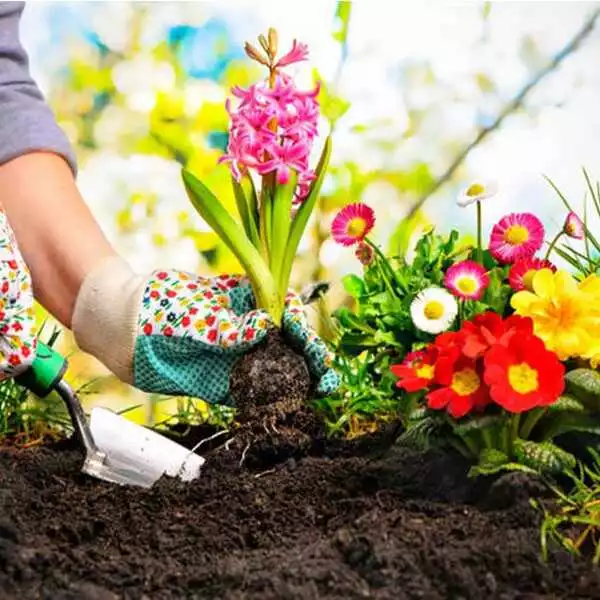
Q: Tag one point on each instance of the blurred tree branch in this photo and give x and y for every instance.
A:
(516, 103)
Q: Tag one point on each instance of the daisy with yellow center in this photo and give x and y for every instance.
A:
(467, 280)
(476, 192)
(433, 310)
(515, 237)
(352, 224)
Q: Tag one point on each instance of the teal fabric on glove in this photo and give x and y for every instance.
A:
(192, 330)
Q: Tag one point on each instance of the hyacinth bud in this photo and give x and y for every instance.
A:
(255, 54)
(273, 41)
(265, 45)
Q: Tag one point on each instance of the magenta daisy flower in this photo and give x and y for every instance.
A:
(521, 274)
(515, 237)
(467, 280)
(574, 227)
(352, 224)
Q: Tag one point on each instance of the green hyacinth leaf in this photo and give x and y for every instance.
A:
(543, 457)
(584, 384)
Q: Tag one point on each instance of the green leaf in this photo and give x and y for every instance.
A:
(342, 14)
(584, 384)
(280, 229)
(491, 461)
(354, 286)
(303, 214)
(494, 470)
(566, 403)
(213, 212)
(247, 204)
(543, 457)
(564, 422)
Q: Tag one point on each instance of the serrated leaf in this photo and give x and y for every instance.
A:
(584, 384)
(510, 466)
(543, 457)
(477, 424)
(566, 403)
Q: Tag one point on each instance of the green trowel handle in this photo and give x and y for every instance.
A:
(46, 371)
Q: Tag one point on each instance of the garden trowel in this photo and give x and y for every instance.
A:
(116, 450)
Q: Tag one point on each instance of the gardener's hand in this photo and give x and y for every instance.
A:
(17, 323)
(179, 334)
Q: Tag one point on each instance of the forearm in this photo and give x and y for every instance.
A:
(58, 236)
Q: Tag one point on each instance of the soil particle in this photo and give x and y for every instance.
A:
(333, 522)
(271, 375)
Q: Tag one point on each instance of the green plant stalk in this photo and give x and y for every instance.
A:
(386, 264)
(479, 234)
(514, 423)
(553, 243)
(213, 212)
(265, 218)
(281, 224)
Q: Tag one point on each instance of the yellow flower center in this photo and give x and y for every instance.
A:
(528, 279)
(425, 371)
(357, 227)
(467, 285)
(522, 378)
(465, 382)
(433, 310)
(475, 189)
(516, 234)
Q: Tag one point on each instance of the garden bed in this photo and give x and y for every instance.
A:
(341, 522)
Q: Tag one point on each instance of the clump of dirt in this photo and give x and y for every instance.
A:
(341, 522)
(270, 381)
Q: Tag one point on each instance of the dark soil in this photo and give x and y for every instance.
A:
(341, 522)
(271, 379)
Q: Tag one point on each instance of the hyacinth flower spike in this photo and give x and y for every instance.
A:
(272, 131)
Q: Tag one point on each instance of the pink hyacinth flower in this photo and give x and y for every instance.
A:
(467, 280)
(574, 227)
(298, 53)
(283, 158)
(353, 224)
(515, 237)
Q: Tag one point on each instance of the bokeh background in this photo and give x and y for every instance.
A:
(422, 97)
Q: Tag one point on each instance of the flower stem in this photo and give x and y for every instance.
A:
(553, 243)
(514, 422)
(479, 234)
(386, 265)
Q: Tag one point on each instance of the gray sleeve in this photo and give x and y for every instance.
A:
(26, 122)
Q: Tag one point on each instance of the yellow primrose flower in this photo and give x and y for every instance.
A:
(565, 314)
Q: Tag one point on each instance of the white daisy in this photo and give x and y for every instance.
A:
(433, 310)
(476, 192)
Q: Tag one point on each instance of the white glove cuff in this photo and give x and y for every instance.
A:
(106, 313)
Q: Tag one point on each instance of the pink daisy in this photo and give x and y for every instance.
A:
(467, 280)
(521, 273)
(574, 226)
(515, 237)
(352, 224)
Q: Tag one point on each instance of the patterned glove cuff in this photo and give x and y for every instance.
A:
(106, 314)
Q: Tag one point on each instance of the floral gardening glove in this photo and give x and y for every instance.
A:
(185, 332)
(17, 322)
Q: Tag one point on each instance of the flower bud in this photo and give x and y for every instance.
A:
(574, 227)
(273, 41)
(265, 45)
(255, 54)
